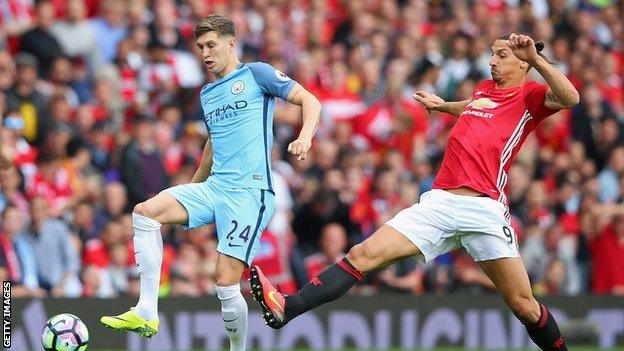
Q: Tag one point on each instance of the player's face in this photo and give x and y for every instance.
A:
(216, 50)
(503, 63)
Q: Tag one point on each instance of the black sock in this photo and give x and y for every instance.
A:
(545, 332)
(332, 283)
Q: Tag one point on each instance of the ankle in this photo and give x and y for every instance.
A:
(146, 312)
(294, 306)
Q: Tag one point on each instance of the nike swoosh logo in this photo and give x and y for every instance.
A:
(272, 298)
(137, 252)
(121, 319)
(235, 245)
(231, 320)
(145, 326)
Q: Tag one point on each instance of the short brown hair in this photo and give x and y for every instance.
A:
(218, 23)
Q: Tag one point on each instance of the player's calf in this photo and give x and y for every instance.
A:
(385, 245)
(234, 315)
(545, 332)
(233, 305)
(541, 326)
(148, 253)
(328, 286)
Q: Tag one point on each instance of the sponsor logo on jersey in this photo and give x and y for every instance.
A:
(482, 103)
(225, 111)
(238, 87)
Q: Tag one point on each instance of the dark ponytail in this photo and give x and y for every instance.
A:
(540, 46)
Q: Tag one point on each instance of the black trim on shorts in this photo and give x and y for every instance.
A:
(260, 215)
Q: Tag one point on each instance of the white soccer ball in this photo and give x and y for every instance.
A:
(65, 332)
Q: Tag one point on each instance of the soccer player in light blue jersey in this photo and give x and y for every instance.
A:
(233, 186)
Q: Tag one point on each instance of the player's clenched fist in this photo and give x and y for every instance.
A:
(300, 148)
(523, 47)
(430, 101)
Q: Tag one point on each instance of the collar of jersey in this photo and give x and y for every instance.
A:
(228, 76)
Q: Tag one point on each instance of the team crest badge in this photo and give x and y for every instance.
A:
(281, 76)
(238, 87)
(482, 103)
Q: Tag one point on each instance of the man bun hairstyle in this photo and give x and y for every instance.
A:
(540, 46)
(215, 22)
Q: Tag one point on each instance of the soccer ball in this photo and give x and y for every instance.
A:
(65, 332)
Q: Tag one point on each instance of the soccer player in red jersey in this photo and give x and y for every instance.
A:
(467, 205)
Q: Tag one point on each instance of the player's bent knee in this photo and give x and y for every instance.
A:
(364, 257)
(147, 210)
(141, 209)
(525, 308)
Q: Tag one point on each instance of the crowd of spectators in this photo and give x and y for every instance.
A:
(101, 111)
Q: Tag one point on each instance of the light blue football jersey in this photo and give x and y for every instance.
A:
(238, 110)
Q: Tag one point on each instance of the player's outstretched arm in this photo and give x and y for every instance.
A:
(205, 164)
(433, 102)
(561, 93)
(311, 108)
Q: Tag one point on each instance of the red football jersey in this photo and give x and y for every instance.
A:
(487, 136)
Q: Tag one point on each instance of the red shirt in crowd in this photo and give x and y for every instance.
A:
(554, 133)
(96, 253)
(57, 192)
(607, 252)
(386, 125)
(272, 257)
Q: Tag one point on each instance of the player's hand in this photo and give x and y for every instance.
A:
(300, 148)
(523, 47)
(431, 102)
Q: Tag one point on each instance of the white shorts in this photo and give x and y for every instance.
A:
(443, 221)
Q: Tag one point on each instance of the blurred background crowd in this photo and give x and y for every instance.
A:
(101, 112)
